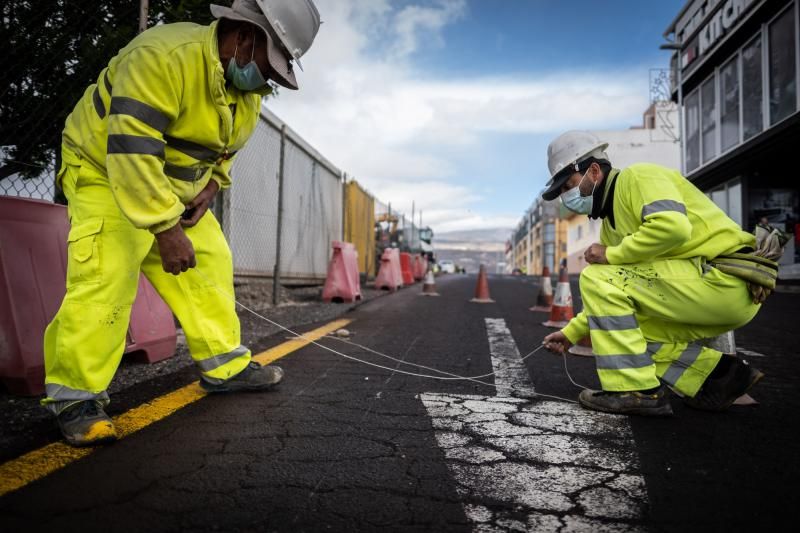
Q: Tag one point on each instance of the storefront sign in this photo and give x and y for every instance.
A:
(722, 21)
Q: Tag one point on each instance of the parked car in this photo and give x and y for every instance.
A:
(447, 266)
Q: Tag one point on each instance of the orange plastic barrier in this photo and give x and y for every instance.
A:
(33, 258)
(343, 283)
(406, 268)
(418, 267)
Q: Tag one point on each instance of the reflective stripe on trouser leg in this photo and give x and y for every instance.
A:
(85, 341)
(684, 366)
(622, 360)
(203, 302)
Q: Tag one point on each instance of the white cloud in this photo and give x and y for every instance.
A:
(364, 105)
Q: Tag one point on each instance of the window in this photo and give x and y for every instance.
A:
(752, 119)
(580, 232)
(549, 232)
(708, 120)
(729, 198)
(729, 103)
(782, 73)
(692, 131)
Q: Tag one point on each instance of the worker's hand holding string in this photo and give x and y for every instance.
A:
(177, 252)
(199, 205)
(557, 342)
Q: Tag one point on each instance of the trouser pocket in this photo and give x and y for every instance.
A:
(83, 252)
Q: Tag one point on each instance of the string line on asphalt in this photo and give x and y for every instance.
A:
(447, 376)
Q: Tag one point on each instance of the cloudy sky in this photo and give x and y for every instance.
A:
(451, 103)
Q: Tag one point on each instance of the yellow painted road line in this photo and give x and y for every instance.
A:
(37, 464)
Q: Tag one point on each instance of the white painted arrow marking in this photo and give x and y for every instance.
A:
(548, 465)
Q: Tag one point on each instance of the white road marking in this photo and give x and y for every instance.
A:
(549, 465)
(749, 352)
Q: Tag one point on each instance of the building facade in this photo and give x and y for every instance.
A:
(736, 69)
(540, 239)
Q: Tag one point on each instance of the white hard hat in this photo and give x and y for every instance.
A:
(567, 150)
(292, 23)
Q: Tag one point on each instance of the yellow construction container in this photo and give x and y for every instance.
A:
(359, 225)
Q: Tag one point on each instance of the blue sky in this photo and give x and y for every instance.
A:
(451, 103)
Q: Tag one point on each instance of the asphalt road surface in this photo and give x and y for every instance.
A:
(346, 445)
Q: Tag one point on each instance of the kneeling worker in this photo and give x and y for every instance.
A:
(145, 151)
(656, 285)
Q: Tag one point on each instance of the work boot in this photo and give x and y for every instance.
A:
(722, 388)
(86, 424)
(254, 377)
(627, 402)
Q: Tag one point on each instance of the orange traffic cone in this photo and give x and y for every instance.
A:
(429, 285)
(561, 312)
(584, 347)
(544, 301)
(482, 289)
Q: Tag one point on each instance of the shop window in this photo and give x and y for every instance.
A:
(752, 99)
(782, 73)
(708, 120)
(728, 197)
(692, 110)
(729, 103)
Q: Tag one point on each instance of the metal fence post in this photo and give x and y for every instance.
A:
(344, 208)
(276, 274)
(367, 251)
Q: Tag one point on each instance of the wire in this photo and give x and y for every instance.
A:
(451, 376)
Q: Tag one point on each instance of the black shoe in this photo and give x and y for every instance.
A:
(86, 424)
(628, 402)
(719, 392)
(254, 377)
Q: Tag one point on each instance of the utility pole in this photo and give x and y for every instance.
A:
(143, 9)
(411, 245)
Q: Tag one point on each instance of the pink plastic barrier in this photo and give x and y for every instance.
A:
(33, 258)
(343, 283)
(406, 268)
(389, 276)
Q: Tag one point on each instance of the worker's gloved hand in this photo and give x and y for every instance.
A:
(758, 293)
(596, 253)
(557, 342)
(198, 207)
(177, 252)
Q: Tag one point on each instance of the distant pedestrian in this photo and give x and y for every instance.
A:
(144, 153)
(671, 269)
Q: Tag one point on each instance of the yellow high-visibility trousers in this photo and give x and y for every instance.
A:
(645, 321)
(84, 343)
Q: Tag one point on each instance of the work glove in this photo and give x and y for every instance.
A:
(758, 293)
(770, 242)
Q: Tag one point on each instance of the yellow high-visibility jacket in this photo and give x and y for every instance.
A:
(659, 214)
(160, 122)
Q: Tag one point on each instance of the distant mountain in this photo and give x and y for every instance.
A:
(491, 235)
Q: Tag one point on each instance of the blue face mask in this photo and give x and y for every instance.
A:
(248, 77)
(576, 203)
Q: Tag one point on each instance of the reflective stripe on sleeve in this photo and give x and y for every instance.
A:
(122, 105)
(183, 173)
(207, 365)
(679, 366)
(98, 103)
(134, 144)
(198, 151)
(609, 323)
(662, 205)
(106, 82)
(623, 361)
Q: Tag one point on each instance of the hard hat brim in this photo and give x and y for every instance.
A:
(280, 70)
(553, 190)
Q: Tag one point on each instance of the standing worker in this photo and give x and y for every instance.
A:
(144, 153)
(672, 269)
